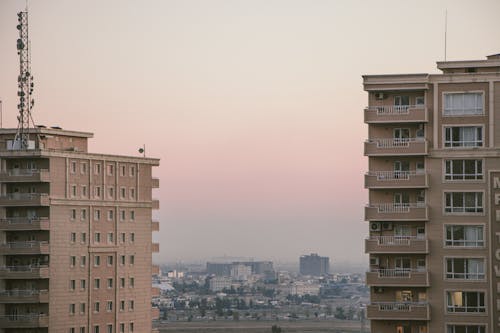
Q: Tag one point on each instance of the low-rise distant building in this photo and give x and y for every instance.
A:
(219, 283)
(301, 288)
(175, 274)
(314, 264)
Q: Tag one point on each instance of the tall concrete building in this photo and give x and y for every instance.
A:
(75, 237)
(314, 264)
(434, 199)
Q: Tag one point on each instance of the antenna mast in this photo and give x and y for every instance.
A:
(25, 86)
(445, 32)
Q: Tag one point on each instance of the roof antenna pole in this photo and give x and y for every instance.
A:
(25, 85)
(445, 31)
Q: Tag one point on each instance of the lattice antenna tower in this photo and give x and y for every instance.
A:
(25, 85)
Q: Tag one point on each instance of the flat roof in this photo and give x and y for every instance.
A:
(50, 131)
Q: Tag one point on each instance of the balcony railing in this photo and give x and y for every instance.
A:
(395, 212)
(392, 147)
(24, 320)
(395, 114)
(396, 244)
(396, 179)
(29, 247)
(155, 226)
(24, 199)
(397, 277)
(24, 272)
(155, 182)
(24, 223)
(398, 311)
(155, 247)
(25, 175)
(24, 296)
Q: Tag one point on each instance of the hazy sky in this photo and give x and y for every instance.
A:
(255, 107)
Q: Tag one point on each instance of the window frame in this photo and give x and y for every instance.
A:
(454, 276)
(452, 177)
(463, 114)
(449, 307)
(453, 210)
(477, 143)
(449, 243)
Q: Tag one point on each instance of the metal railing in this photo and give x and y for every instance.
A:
(24, 268)
(395, 240)
(399, 306)
(23, 172)
(23, 317)
(22, 220)
(22, 196)
(23, 245)
(396, 272)
(394, 175)
(396, 207)
(22, 293)
(394, 109)
(395, 142)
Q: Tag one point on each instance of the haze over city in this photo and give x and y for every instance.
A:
(253, 107)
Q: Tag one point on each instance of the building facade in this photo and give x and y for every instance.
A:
(314, 264)
(75, 237)
(433, 153)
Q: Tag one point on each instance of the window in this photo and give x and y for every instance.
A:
(73, 190)
(460, 104)
(132, 193)
(131, 282)
(111, 215)
(131, 305)
(82, 329)
(73, 167)
(110, 328)
(111, 192)
(83, 238)
(110, 260)
(97, 214)
(109, 306)
(83, 168)
(419, 101)
(465, 329)
(72, 308)
(111, 238)
(83, 284)
(72, 214)
(122, 327)
(122, 215)
(110, 283)
(132, 171)
(122, 282)
(72, 237)
(97, 306)
(97, 191)
(122, 237)
(132, 259)
(82, 308)
(72, 330)
(132, 237)
(84, 190)
(96, 329)
(123, 192)
(97, 237)
(97, 283)
(123, 170)
(132, 215)
(72, 261)
(97, 168)
(464, 235)
(464, 202)
(83, 214)
(72, 284)
(122, 305)
(463, 169)
(111, 169)
(97, 260)
(465, 268)
(465, 301)
(122, 260)
(467, 136)
(83, 261)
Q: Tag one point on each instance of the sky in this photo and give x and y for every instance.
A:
(254, 107)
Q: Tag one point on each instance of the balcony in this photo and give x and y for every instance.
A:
(24, 199)
(396, 147)
(396, 179)
(155, 204)
(396, 114)
(155, 247)
(396, 244)
(397, 278)
(24, 321)
(25, 175)
(31, 247)
(155, 182)
(24, 296)
(155, 226)
(24, 223)
(398, 311)
(397, 212)
(24, 272)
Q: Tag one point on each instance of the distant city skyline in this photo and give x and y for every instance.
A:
(255, 108)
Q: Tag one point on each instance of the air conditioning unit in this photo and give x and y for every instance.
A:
(374, 261)
(375, 226)
(387, 226)
(380, 96)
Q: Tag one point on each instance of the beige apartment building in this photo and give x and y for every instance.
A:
(434, 199)
(75, 237)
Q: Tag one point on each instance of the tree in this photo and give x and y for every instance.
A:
(339, 313)
(276, 329)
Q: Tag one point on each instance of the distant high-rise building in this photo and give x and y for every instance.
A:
(224, 269)
(434, 199)
(75, 230)
(314, 265)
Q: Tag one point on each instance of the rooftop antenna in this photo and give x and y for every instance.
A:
(25, 86)
(445, 31)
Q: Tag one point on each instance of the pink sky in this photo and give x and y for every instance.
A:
(254, 107)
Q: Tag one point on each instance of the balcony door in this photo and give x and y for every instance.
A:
(401, 200)
(401, 169)
(402, 264)
(401, 134)
(402, 231)
(401, 103)
(404, 296)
